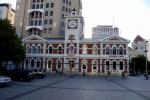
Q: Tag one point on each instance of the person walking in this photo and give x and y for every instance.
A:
(108, 75)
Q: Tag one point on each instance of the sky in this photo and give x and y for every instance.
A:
(132, 17)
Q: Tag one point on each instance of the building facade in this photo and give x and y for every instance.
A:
(44, 18)
(74, 53)
(139, 47)
(102, 31)
(7, 12)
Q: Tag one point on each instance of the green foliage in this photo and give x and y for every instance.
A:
(11, 48)
(139, 63)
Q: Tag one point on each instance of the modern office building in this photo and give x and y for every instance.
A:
(7, 12)
(102, 31)
(44, 18)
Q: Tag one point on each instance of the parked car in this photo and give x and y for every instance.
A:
(4, 80)
(25, 75)
(39, 73)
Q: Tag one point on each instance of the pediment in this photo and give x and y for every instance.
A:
(115, 39)
(33, 38)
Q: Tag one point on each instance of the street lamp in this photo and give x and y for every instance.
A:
(146, 56)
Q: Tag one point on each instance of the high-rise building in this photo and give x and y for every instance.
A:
(6, 12)
(44, 18)
(103, 31)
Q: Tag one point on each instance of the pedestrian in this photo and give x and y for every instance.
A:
(123, 74)
(108, 75)
(146, 76)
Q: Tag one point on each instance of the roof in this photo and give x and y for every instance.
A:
(139, 38)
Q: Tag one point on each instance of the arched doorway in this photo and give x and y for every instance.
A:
(71, 65)
(49, 65)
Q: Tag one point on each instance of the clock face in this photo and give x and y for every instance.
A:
(72, 24)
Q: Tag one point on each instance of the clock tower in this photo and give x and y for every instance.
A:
(74, 26)
(73, 35)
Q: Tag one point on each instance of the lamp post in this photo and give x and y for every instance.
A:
(146, 56)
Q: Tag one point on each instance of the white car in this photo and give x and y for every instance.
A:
(4, 80)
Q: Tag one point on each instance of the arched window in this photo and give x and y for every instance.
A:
(60, 50)
(38, 64)
(49, 64)
(107, 52)
(39, 49)
(71, 49)
(32, 63)
(114, 50)
(33, 49)
(107, 65)
(84, 49)
(28, 49)
(114, 65)
(121, 51)
(50, 50)
(95, 64)
(94, 50)
(121, 65)
(59, 64)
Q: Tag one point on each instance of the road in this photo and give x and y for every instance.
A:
(57, 87)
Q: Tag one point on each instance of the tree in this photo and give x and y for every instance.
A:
(139, 63)
(11, 48)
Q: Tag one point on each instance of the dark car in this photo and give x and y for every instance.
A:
(25, 75)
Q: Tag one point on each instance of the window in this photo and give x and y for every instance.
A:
(107, 50)
(52, 5)
(40, 22)
(50, 30)
(32, 63)
(41, 6)
(33, 49)
(27, 49)
(121, 50)
(71, 49)
(94, 65)
(47, 5)
(51, 13)
(37, 6)
(45, 22)
(59, 64)
(33, 6)
(121, 65)
(63, 1)
(50, 21)
(45, 30)
(107, 65)
(59, 50)
(46, 13)
(84, 49)
(94, 50)
(71, 37)
(114, 50)
(114, 65)
(69, 3)
(38, 0)
(39, 49)
(35, 23)
(38, 64)
(50, 50)
(49, 64)
(33, 0)
(31, 23)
